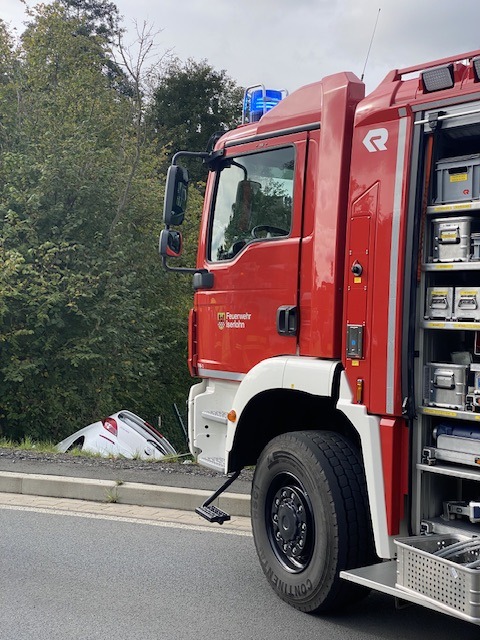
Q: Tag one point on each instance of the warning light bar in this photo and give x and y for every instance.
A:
(257, 101)
(438, 78)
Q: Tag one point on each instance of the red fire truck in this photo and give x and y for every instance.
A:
(335, 331)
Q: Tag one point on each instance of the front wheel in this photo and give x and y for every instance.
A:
(310, 518)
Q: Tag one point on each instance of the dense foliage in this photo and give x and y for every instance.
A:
(89, 321)
(192, 102)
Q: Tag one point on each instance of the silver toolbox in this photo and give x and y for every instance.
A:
(458, 179)
(452, 238)
(445, 385)
(439, 303)
(443, 580)
(467, 303)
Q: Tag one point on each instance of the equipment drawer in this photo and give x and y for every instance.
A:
(467, 303)
(454, 443)
(439, 303)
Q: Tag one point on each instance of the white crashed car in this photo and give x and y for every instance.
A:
(121, 434)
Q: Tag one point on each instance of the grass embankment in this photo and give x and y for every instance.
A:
(27, 444)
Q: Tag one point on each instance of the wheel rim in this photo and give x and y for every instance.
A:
(290, 523)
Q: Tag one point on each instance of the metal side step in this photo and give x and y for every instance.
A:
(212, 514)
(217, 464)
(382, 577)
(215, 416)
(209, 511)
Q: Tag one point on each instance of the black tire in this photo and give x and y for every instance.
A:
(310, 518)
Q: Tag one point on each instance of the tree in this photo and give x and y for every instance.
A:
(191, 102)
(88, 321)
(96, 17)
(102, 19)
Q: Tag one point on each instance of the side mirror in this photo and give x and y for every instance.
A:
(170, 244)
(176, 191)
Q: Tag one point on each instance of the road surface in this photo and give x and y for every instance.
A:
(68, 575)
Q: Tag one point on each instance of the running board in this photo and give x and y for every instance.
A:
(382, 577)
(209, 511)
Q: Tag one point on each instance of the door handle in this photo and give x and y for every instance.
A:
(287, 320)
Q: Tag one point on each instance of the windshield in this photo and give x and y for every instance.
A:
(253, 201)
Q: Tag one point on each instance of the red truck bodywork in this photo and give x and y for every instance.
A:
(354, 257)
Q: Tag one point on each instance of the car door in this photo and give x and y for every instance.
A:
(251, 246)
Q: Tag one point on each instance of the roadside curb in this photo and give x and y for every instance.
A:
(134, 493)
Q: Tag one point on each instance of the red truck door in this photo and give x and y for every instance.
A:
(251, 245)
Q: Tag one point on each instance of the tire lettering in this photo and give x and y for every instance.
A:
(279, 585)
(255, 494)
(273, 459)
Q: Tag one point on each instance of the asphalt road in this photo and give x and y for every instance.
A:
(70, 578)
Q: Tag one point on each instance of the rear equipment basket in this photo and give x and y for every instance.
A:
(442, 580)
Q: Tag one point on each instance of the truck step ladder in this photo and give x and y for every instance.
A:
(209, 511)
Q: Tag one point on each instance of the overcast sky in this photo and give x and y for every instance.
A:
(288, 43)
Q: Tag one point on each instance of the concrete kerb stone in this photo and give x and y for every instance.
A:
(10, 482)
(235, 504)
(124, 493)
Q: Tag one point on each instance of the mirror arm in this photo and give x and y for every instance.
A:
(179, 269)
(185, 270)
(210, 159)
(189, 154)
(202, 278)
(214, 159)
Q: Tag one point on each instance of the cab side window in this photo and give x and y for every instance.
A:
(254, 198)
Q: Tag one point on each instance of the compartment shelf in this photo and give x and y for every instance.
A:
(454, 207)
(466, 473)
(450, 325)
(444, 412)
(473, 265)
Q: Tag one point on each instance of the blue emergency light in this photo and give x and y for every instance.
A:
(258, 100)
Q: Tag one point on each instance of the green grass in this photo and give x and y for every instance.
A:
(78, 453)
(111, 496)
(28, 444)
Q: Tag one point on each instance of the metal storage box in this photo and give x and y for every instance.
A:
(439, 303)
(445, 385)
(475, 369)
(458, 450)
(475, 246)
(440, 579)
(457, 443)
(458, 179)
(451, 239)
(467, 303)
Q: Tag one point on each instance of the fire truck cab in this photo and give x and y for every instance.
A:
(335, 332)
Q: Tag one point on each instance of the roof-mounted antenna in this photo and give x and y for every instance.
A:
(370, 45)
